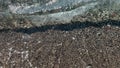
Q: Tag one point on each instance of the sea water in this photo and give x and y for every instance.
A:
(45, 11)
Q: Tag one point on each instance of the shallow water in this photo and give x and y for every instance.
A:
(44, 11)
(51, 5)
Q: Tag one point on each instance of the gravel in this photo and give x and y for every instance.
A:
(87, 41)
(75, 45)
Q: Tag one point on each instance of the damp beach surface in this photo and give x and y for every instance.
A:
(62, 46)
(91, 40)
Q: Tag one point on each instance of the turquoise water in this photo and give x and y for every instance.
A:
(51, 5)
(44, 11)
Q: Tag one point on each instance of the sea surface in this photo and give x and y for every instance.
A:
(43, 11)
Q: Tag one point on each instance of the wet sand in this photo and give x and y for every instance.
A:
(75, 45)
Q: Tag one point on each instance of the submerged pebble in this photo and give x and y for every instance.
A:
(48, 12)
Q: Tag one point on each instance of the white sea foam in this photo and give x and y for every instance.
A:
(51, 5)
(61, 16)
